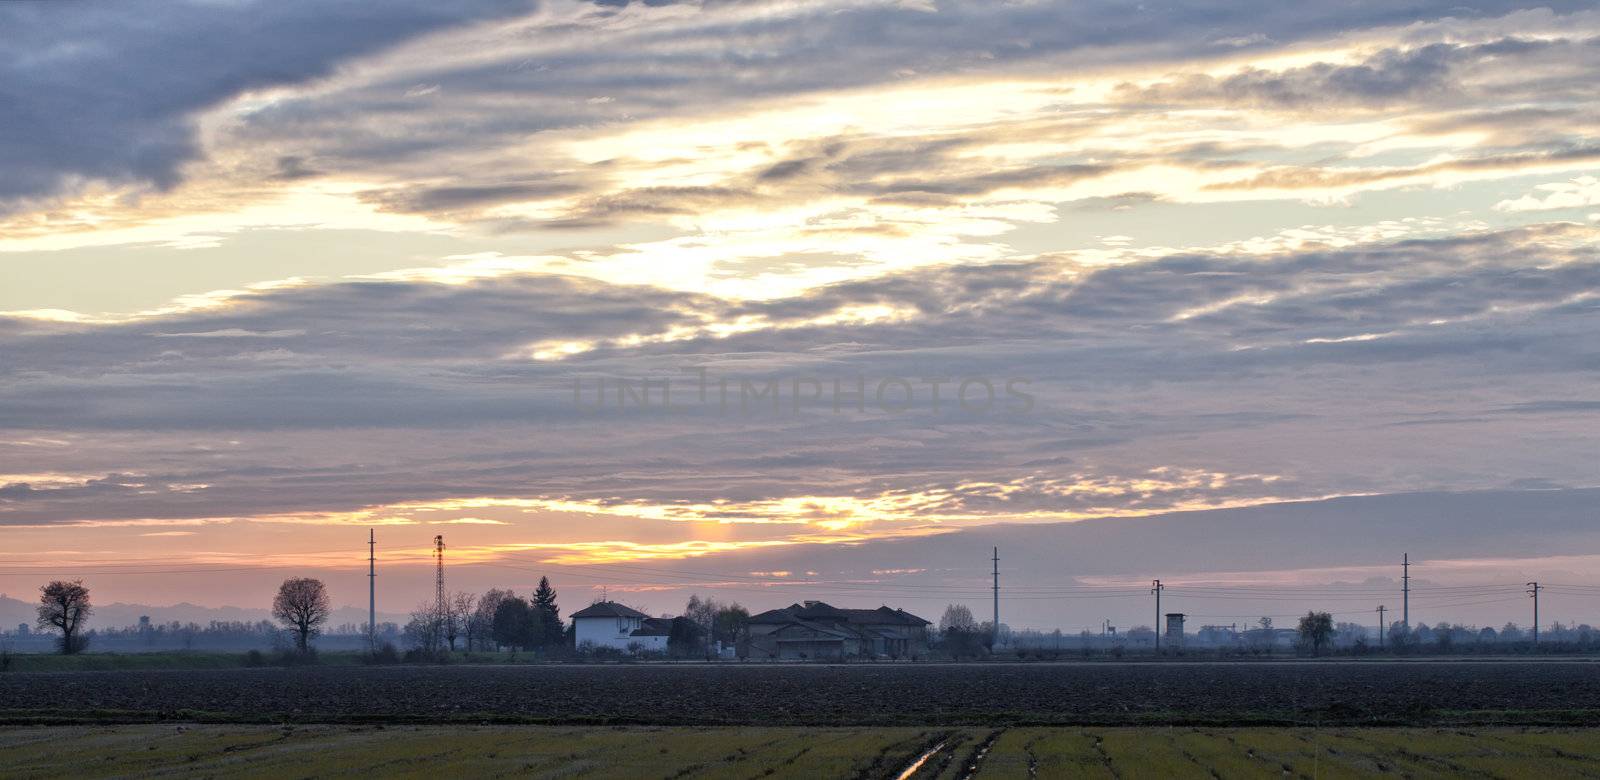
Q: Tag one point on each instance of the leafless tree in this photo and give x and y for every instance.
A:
(425, 630)
(302, 605)
(459, 608)
(64, 606)
(957, 617)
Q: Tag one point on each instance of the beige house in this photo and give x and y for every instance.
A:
(816, 630)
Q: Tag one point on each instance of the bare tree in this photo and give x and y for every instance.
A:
(302, 605)
(960, 634)
(459, 608)
(957, 617)
(64, 606)
(425, 630)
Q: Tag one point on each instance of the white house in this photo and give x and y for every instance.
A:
(609, 624)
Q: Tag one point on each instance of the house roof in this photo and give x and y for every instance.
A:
(884, 616)
(822, 612)
(773, 616)
(654, 627)
(611, 609)
(813, 631)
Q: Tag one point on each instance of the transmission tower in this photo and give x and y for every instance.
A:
(1381, 627)
(438, 576)
(372, 591)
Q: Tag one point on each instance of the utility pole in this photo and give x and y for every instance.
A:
(1405, 587)
(1533, 590)
(372, 591)
(996, 597)
(1381, 626)
(1156, 588)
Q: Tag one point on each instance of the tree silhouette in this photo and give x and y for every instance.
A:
(1316, 628)
(731, 624)
(514, 625)
(64, 606)
(425, 631)
(958, 617)
(547, 613)
(459, 611)
(961, 635)
(302, 605)
(481, 625)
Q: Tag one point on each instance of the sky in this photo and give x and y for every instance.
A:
(779, 300)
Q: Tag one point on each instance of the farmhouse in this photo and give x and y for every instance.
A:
(609, 624)
(819, 630)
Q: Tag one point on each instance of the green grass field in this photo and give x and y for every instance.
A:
(592, 752)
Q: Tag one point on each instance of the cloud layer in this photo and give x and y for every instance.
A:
(900, 267)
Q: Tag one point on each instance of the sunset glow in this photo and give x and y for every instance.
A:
(754, 287)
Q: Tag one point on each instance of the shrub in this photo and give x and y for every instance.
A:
(421, 655)
(601, 653)
(295, 657)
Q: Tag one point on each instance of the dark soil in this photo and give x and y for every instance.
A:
(1375, 693)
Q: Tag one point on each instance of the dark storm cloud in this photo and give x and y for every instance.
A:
(109, 91)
